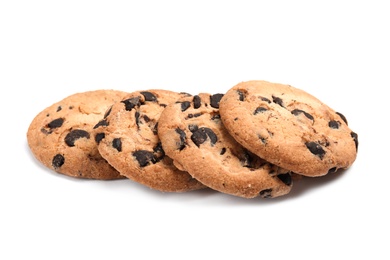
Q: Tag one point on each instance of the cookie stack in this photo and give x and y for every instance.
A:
(251, 141)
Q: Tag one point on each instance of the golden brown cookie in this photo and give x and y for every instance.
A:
(288, 127)
(192, 134)
(60, 135)
(127, 138)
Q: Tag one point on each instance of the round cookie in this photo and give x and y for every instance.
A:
(193, 135)
(127, 138)
(288, 127)
(60, 135)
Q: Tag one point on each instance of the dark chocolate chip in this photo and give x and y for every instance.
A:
(163, 105)
(146, 118)
(259, 110)
(131, 103)
(332, 170)
(278, 101)
(296, 112)
(214, 100)
(59, 108)
(343, 117)
(241, 95)
(102, 122)
(182, 135)
(285, 178)
(192, 128)
(197, 101)
(137, 122)
(316, 149)
(159, 152)
(265, 99)
(117, 144)
(99, 137)
(155, 129)
(334, 124)
(149, 96)
(355, 139)
(246, 159)
(144, 157)
(223, 151)
(266, 193)
(215, 116)
(213, 137)
(58, 161)
(200, 135)
(108, 112)
(185, 105)
(74, 135)
(56, 123)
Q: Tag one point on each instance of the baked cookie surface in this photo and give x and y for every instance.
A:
(60, 135)
(192, 134)
(288, 127)
(127, 138)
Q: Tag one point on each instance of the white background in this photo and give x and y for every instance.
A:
(335, 50)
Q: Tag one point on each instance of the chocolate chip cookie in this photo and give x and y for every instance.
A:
(288, 127)
(127, 138)
(60, 135)
(192, 134)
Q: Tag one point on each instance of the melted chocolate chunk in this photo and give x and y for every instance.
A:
(316, 149)
(296, 112)
(185, 105)
(334, 124)
(149, 96)
(74, 135)
(197, 101)
(99, 137)
(259, 110)
(117, 144)
(332, 170)
(182, 135)
(144, 157)
(200, 135)
(58, 161)
(102, 122)
(266, 193)
(214, 100)
(343, 117)
(241, 95)
(278, 101)
(56, 123)
(355, 139)
(131, 103)
(285, 178)
(223, 151)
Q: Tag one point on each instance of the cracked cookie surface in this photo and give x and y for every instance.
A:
(127, 138)
(288, 127)
(60, 136)
(192, 134)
